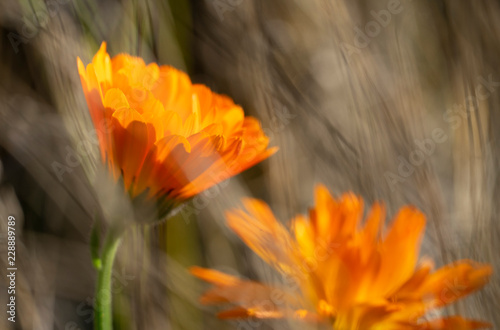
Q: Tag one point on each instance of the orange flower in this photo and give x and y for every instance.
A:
(344, 273)
(162, 134)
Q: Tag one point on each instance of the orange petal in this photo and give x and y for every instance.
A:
(400, 247)
(233, 119)
(161, 171)
(261, 313)
(172, 154)
(304, 235)
(213, 276)
(115, 99)
(412, 288)
(455, 323)
(374, 223)
(453, 282)
(230, 289)
(260, 230)
(243, 313)
(131, 143)
(173, 89)
(102, 65)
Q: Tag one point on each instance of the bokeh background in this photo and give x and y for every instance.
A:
(348, 93)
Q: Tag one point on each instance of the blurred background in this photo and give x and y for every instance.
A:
(395, 100)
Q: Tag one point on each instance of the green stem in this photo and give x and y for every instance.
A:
(104, 310)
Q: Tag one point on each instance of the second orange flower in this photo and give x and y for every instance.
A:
(344, 272)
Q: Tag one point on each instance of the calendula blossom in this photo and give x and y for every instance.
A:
(163, 135)
(342, 271)
(165, 139)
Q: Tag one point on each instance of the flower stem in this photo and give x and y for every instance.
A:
(104, 310)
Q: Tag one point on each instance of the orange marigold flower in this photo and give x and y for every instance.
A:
(344, 272)
(162, 134)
